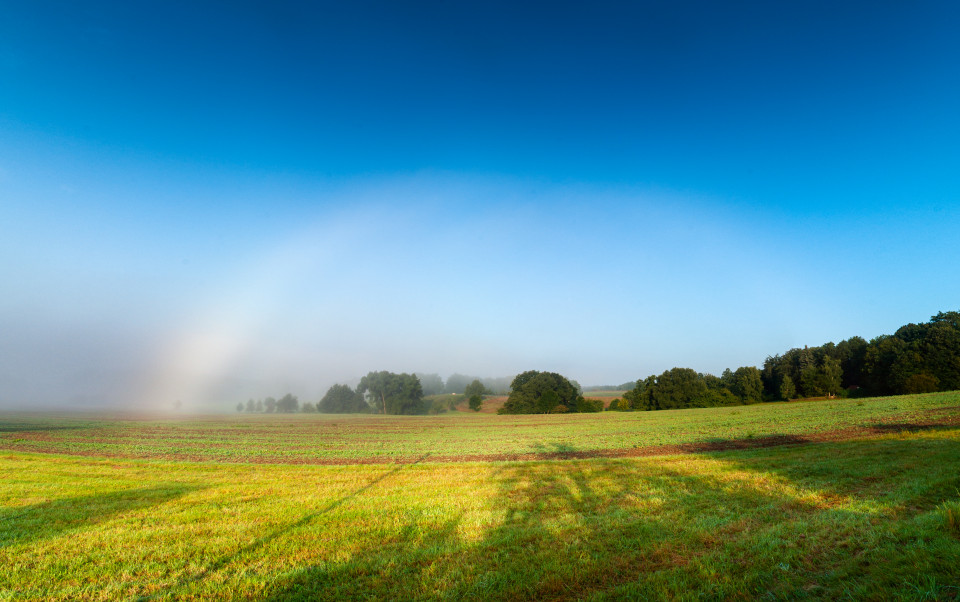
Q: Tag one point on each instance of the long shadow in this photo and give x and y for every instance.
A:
(908, 427)
(27, 524)
(226, 559)
(644, 529)
(583, 516)
(912, 474)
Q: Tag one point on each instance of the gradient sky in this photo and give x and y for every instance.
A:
(208, 201)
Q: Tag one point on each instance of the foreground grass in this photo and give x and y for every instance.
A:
(858, 519)
(332, 438)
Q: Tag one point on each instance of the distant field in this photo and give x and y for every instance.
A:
(850, 499)
(605, 395)
(318, 438)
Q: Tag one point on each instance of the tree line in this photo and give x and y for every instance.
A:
(433, 384)
(917, 358)
(378, 392)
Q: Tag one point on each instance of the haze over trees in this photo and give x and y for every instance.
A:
(917, 358)
(432, 384)
(457, 383)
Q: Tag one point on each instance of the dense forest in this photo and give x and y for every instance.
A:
(917, 358)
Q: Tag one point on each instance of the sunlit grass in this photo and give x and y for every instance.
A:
(861, 519)
(873, 516)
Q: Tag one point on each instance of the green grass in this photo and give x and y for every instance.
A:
(865, 518)
(331, 438)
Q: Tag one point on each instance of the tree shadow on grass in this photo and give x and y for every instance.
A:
(27, 524)
(907, 427)
(563, 530)
(727, 525)
(302, 522)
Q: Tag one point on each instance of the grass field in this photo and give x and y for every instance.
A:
(836, 499)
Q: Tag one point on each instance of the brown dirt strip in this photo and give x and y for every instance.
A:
(847, 434)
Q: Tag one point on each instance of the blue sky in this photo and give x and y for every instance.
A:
(205, 201)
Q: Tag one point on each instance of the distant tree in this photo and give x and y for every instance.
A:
(823, 378)
(250, 405)
(497, 386)
(639, 398)
(457, 383)
(683, 388)
(678, 388)
(177, 405)
(534, 392)
(727, 380)
(240, 407)
(271, 404)
(393, 393)
(288, 404)
(476, 401)
(341, 399)
(852, 355)
(308, 408)
(259, 406)
(431, 384)
(923, 382)
(476, 388)
(746, 384)
(787, 389)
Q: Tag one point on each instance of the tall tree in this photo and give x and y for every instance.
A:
(747, 385)
(393, 393)
(787, 389)
(534, 392)
(821, 378)
(475, 388)
(457, 383)
(288, 404)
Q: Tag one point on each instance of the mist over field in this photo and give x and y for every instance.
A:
(314, 193)
(606, 286)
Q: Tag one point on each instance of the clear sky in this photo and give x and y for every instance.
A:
(208, 201)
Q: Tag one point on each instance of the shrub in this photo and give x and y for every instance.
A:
(589, 405)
